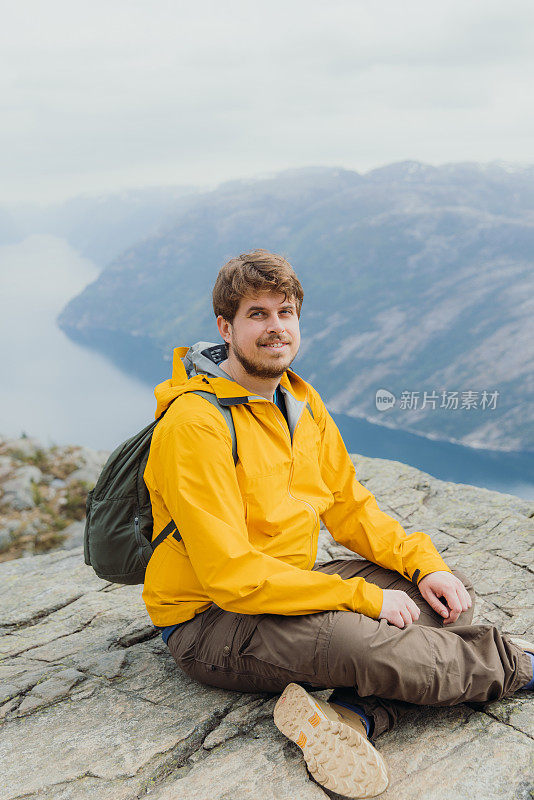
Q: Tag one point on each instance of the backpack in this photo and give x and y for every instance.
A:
(119, 524)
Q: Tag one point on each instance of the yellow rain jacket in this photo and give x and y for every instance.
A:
(247, 532)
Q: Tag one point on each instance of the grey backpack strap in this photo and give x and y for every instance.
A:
(227, 414)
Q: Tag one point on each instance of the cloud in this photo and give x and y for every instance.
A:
(121, 93)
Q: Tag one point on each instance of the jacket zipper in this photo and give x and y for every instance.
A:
(298, 500)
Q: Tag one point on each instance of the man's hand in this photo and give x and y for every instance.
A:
(443, 584)
(398, 608)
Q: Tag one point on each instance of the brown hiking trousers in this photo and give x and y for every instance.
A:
(425, 663)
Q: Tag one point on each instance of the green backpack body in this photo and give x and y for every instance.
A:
(119, 524)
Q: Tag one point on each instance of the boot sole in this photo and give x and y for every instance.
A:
(337, 756)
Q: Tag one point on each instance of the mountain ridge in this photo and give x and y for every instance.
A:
(416, 278)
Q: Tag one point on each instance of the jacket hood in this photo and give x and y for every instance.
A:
(190, 368)
(203, 358)
(197, 368)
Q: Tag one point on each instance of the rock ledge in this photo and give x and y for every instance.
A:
(93, 707)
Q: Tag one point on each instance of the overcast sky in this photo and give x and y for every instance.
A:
(110, 94)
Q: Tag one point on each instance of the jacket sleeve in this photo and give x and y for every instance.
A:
(195, 473)
(356, 521)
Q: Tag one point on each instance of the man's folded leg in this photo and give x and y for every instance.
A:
(424, 663)
(284, 654)
(382, 713)
(377, 667)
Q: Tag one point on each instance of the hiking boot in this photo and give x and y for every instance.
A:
(334, 743)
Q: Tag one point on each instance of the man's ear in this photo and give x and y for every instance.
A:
(225, 328)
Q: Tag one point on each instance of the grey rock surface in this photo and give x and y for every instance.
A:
(42, 495)
(92, 706)
(5, 534)
(18, 491)
(73, 534)
(89, 472)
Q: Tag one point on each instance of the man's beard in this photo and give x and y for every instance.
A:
(258, 370)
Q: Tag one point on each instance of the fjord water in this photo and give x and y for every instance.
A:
(63, 393)
(53, 389)
(504, 472)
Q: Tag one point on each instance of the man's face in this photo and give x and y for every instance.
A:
(265, 334)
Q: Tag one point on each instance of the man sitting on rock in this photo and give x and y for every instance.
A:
(234, 586)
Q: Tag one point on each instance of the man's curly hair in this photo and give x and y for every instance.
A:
(250, 273)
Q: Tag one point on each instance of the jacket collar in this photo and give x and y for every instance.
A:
(197, 368)
(203, 358)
